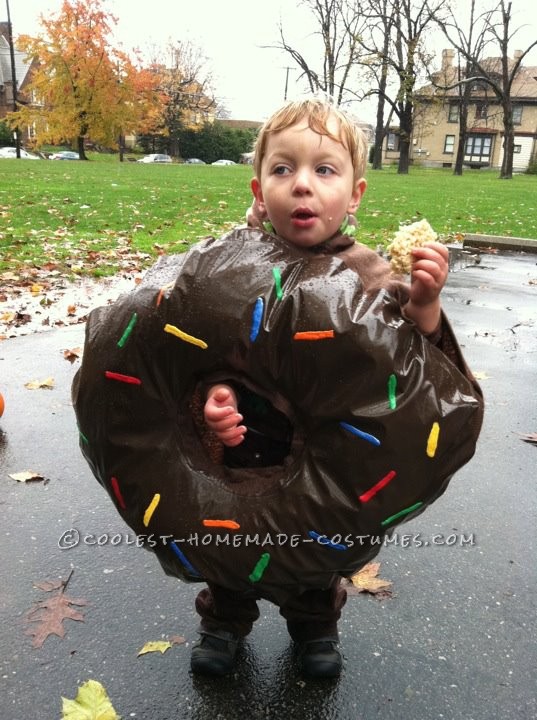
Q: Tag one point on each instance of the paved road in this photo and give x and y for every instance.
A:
(456, 641)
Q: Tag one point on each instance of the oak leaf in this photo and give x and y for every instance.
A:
(46, 384)
(91, 703)
(366, 581)
(47, 616)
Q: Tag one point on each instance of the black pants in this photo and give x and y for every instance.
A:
(313, 614)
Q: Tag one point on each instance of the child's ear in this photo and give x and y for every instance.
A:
(356, 197)
(258, 194)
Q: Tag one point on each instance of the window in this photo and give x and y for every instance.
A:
(517, 114)
(453, 114)
(517, 148)
(479, 146)
(481, 111)
(449, 144)
(392, 142)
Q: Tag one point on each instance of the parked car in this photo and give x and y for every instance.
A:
(64, 155)
(194, 161)
(223, 162)
(11, 152)
(156, 158)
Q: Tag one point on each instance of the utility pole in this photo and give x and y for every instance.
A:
(13, 77)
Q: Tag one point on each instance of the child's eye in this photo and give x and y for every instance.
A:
(281, 170)
(324, 170)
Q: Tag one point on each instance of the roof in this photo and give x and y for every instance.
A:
(524, 85)
(21, 67)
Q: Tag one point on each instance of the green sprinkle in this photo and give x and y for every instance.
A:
(261, 566)
(392, 385)
(132, 322)
(83, 437)
(401, 514)
(278, 282)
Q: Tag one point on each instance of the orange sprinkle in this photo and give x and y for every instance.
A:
(160, 296)
(314, 335)
(229, 524)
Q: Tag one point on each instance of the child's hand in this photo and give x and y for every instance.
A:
(430, 267)
(222, 417)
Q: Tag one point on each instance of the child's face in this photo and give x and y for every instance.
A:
(307, 184)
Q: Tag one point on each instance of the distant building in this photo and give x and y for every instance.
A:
(435, 134)
(23, 71)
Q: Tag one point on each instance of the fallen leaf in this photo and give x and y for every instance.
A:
(73, 354)
(529, 437)
(366, 580)
(71, 310)
(155, 646)
(35, 289)
(91, 703)
(481, 376)
(27, 475)
(46, 384)
(49, 614)
(177, 640)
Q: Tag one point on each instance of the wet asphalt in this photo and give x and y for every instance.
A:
(455, 641)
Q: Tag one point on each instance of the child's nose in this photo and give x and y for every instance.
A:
(302, 182)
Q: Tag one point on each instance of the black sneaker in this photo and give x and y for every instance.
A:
(320, 658)
(214, 653)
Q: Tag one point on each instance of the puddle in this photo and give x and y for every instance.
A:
(30, 309)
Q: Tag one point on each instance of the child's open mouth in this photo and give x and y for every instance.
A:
(303, 217)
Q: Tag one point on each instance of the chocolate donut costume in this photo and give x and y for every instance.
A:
(382, 416)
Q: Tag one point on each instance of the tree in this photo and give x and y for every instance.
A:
(339, 26)
(497, 73)
(186, 91)
(396, 42)
(83, 87)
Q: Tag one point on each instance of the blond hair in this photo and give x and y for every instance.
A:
(318, 113)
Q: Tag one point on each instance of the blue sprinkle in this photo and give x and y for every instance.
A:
(365, 436)
(325, 541)
(257, 316)
(182, 557)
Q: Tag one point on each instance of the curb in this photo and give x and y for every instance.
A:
(500, 242)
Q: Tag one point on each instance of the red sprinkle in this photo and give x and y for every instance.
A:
(374, 490)
(117, 493)
(314, 335)
(122, 378)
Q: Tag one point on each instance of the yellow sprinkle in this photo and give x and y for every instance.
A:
(183, 336)
(151, 509)
(432, 441)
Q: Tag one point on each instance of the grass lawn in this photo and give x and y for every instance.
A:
(95, 218)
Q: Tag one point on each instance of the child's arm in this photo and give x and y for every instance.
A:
(430, 266)
(221, 415)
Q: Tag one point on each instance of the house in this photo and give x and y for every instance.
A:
(436, 124)
(23, 72)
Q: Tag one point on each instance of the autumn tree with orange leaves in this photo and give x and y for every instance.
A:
(83, 87)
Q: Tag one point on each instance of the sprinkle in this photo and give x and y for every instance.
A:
(83, 437)
(162, 291)
(259, 569)
(229, 524)
(132, 322)
(151, 508)
(401, 514)
(182, 557)
(257, 316)
(314, 335)
(183, 336)
(432, 441)
(278, 282)
(365, 497)
(117, 492)
(392, 385)
(365, 436)
(122, 378)
(323, 540)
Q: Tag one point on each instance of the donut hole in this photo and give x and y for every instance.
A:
(263, 462)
